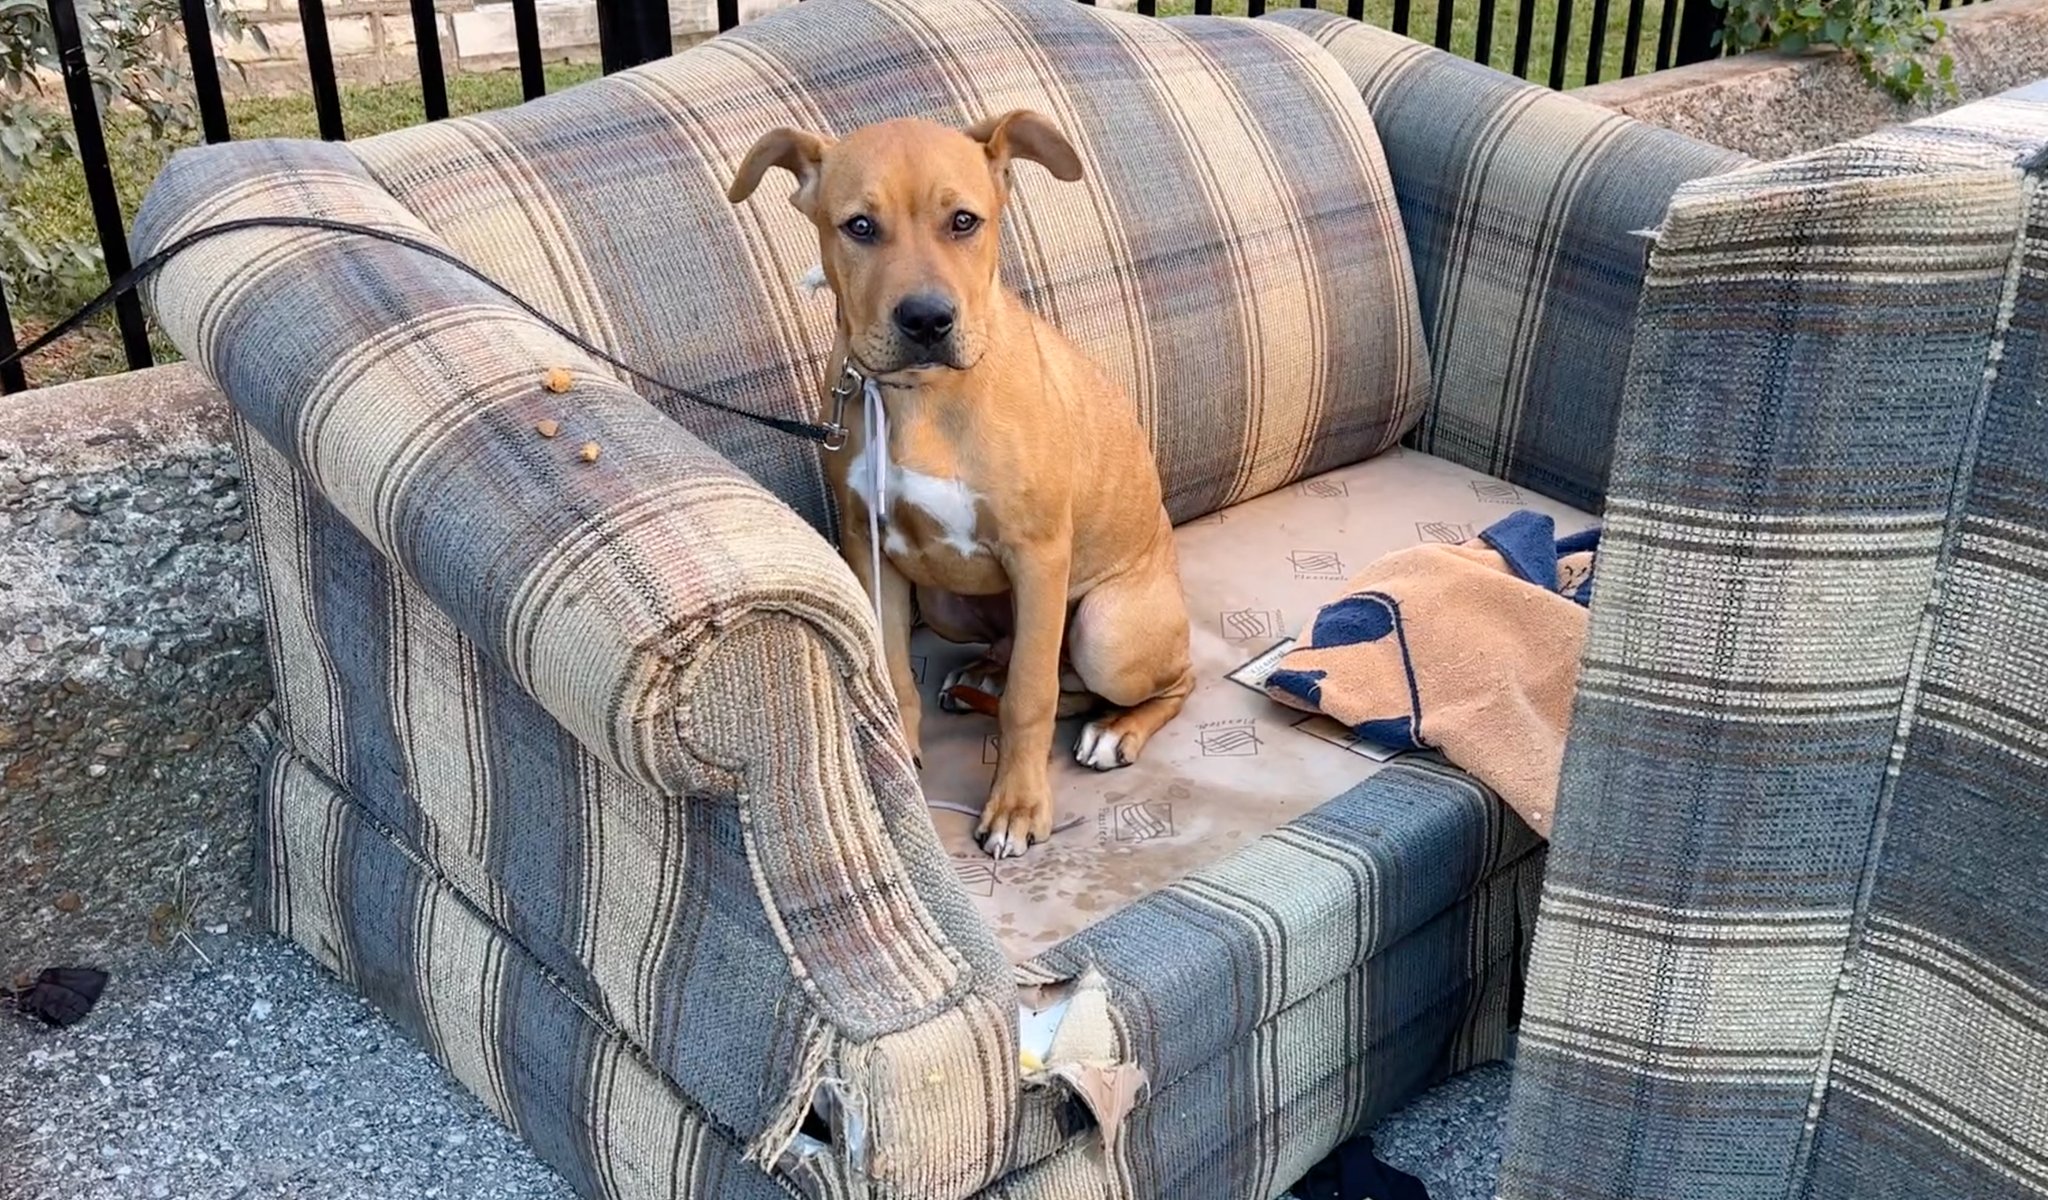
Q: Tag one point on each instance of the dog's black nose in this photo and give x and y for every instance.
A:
(924, 318)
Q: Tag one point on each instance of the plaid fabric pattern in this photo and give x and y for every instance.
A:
(1524, 211)
(555, 1068)
(1388, 993)
(1792, 941)
(1298, 990)
(750, 931)
(593, 761)
(1233, 256)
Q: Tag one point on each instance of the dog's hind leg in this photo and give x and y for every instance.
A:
(1129, 644)
(1118, 739)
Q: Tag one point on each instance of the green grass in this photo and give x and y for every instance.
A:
(56, 198)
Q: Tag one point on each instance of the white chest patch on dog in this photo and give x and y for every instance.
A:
(946, 503)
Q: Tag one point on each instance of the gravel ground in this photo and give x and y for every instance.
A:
(1450, 1137)
(258, 1075)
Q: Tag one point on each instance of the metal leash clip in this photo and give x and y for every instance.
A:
(847, 387)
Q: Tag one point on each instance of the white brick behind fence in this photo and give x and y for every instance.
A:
(373, 39)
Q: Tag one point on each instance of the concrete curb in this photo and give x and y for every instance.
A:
(131, 649)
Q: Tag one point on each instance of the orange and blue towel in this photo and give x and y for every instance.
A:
(1470, 649)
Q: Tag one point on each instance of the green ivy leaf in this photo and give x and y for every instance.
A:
(1792, 43)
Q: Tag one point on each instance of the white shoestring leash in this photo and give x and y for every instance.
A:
(875, 428)
(874, 420)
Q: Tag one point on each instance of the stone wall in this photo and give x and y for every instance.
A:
(131, 657)
(1772, 105)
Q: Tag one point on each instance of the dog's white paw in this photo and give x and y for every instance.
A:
(1100, 747)
(1015, 817)
(981, 675)
(1005, 843)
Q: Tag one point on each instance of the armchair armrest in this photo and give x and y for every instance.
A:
(696, 637)
(1525, 211)
(1797, 862)
(409, 395)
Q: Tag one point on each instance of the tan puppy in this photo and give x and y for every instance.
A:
(1023, 505)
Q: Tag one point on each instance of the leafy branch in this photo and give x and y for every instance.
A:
(1892, 40)
(134, 54)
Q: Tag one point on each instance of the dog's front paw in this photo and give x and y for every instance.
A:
(1015, 816)
(1102, 746)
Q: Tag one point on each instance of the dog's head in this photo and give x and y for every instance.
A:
(907, 215)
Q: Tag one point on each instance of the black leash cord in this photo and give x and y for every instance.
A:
(826, 435)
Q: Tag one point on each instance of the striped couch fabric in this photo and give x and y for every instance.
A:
(1792, 941)
(587, 772)
(1233, 254)
(1526, 213)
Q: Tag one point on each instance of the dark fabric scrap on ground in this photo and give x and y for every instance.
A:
(59, 996)
(1353, 1172)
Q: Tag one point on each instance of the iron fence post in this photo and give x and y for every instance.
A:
(426, 34)
(213, 110)
(631, 32)
(533, 79)
(1697, 24)
(12, 378)
(320, 66)
(99, 175)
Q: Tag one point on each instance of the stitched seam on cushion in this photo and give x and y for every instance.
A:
(1804, 1155)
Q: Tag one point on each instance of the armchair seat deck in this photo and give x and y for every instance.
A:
(1234, 765)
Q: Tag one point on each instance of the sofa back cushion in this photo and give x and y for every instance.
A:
(1234, 255)
(1526, 212)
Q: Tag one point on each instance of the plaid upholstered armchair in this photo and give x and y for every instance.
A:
(586, 771)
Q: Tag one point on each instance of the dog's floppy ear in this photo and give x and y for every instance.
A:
(794, 151)
(1021, 133)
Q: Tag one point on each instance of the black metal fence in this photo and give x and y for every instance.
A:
(631, 32)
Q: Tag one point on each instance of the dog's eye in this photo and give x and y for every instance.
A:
(965, 222)
(860, 229)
